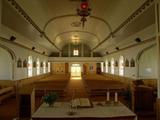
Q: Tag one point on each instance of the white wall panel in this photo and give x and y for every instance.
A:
(129, 54)
(148, 64)
(22, 53)
(5, 65)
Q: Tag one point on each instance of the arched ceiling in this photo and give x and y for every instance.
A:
(57, 21)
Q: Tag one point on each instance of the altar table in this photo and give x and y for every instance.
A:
(99, 111)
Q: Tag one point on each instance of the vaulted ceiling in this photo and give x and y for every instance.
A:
(55, 23)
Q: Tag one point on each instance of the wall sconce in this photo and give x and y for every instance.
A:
(12, 38)
(117, 48)
(107, 52)
(33, 48)
(138, 40)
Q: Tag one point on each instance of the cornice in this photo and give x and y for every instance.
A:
(78, 31)
(30, 21)
(20, 45)
(136, 44)
(131, 18)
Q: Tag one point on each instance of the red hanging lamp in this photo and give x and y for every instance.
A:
(83, 11)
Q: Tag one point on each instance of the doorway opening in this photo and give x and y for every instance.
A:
(76, 71)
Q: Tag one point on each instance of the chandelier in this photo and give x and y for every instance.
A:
(83, 11)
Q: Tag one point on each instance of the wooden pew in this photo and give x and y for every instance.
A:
(98, 85)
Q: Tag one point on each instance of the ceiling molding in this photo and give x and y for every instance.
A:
(20, 45)
(78, 31)
(110, 35)
(134, 15)
(29, 20)
(130, 46)
(75, 15)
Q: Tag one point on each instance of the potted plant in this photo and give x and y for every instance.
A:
(50, 98)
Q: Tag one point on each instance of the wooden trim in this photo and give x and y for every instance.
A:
(158, 109)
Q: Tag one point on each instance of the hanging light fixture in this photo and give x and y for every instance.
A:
(83, 11)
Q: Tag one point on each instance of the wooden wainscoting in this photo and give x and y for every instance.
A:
(158, 109)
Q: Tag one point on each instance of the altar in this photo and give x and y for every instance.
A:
(99, 111)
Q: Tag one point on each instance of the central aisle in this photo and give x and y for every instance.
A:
(77, 87)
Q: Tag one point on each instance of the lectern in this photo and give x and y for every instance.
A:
(26, 101)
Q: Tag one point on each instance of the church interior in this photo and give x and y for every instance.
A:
(80, 59)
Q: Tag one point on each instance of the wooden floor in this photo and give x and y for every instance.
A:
(8, 109)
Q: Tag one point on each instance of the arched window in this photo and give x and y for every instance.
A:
(49, 67)
(102, 67)
(112, 65)
(30, 66)
(44, 67)
(106, 66)
(38, 66)
(121, 65)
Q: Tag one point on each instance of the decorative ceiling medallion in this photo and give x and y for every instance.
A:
(76, 24)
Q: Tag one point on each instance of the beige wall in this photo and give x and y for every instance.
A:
(90, 68)
(58, 68)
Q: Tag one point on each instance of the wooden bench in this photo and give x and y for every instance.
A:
(6, 92)
(58, 86)
(98, 85)
(7, 89)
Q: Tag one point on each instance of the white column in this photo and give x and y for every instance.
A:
(157, 11)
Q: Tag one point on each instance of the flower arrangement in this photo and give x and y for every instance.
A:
(50, 98)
